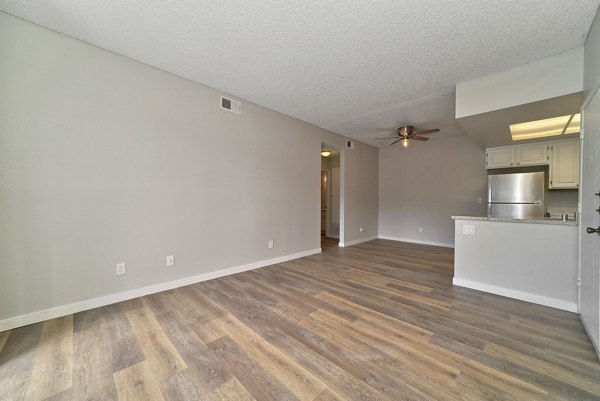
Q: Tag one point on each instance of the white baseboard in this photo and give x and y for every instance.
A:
(521, 295)
(58, 311)
(416, 241)
(358, 241)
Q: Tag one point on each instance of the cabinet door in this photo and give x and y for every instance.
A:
(500, 157)
(531, 155)
(564, 165)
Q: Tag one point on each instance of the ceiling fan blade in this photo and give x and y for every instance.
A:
(419, 138)
(427, 131)
(396, 141)
(389, 137)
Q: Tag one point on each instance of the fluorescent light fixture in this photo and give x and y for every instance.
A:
(569, 124)
(574, 126)
(325, 153)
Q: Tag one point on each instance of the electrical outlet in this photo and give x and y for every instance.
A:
(468, 229)
(420, 229)
(271, 244)
(361, 229)
(121, 269)
(171, 260)
(480, 200)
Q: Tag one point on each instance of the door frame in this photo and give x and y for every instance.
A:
(340, 197)
(593, 332)
(327, 201)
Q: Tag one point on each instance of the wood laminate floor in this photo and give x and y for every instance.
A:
(376, 321)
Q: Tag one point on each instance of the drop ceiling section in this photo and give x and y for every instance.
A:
(491, 129)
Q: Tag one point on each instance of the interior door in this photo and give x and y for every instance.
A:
(590, 221)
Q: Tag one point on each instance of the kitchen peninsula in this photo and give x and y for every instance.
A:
(533, 260)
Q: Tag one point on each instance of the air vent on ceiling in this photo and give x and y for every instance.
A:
(349, 144)
(231, 105)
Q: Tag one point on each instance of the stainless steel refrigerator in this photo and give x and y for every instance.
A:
(517, 196)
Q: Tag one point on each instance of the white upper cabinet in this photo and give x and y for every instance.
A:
(564, 165)
(500, 157)
(531, 155)
(561, 156)
(515, 156)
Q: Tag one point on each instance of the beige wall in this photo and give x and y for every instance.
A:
(360, 203)
(104, 159)
(424, 185)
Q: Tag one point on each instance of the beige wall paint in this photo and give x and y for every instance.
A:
(104, 159)
(424, 185)
(360, 203)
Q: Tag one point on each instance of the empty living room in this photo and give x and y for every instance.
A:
(299, 201)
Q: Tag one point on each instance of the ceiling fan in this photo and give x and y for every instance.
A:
(407, 132)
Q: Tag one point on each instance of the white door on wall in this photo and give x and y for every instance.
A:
(590, 221)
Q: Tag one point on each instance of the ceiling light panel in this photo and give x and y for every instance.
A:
(575, 125)
(548, 127)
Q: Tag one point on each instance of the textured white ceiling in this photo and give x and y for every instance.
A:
(351, 67)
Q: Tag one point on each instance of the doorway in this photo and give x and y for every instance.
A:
(330, 195)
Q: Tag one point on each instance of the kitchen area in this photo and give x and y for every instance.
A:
(526, 247)
(527, 120)
(527, 244)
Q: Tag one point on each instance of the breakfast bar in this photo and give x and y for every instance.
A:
(533, 260)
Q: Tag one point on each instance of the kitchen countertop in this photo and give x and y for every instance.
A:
(535, 220)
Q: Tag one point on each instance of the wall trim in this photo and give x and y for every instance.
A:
(357, 241)
(521, 295)
(417, 241)
(58, 311)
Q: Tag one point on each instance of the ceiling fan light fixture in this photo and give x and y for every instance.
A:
(325, 153)
(407, 133)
